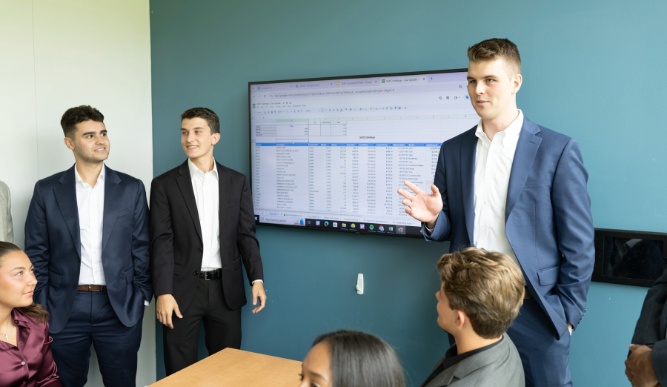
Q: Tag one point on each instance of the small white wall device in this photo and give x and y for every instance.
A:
(360, 284)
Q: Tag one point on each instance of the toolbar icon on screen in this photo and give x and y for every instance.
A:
(326, 223)
(362, 226)
(335, 224)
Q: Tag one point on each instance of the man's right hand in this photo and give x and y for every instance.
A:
(165, 307)
(425, 207)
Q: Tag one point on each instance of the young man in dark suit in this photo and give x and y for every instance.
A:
(479, 298)
(202, 226)
(87, 236)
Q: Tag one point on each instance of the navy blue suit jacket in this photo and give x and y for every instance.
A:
(547, 215)
(53, 243)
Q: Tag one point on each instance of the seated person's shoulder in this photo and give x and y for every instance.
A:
(30, 321)
(499, 365)
(506, 368)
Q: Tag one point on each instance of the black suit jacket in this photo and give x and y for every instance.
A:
(176, 236)
(652, 327)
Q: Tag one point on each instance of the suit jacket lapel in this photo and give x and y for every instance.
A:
(443, 378)
(468, 152)
(526, 149)
(224, 183)
(184, 182)
(66, 197)
(113, 198)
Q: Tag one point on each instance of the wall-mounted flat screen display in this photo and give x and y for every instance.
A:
(331, 153)
(629, 257)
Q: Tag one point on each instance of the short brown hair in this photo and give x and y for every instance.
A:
(79, 114)
(201, 112)
(486, 286)
(492, 49)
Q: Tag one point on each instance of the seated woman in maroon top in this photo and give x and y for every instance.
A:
(25, 344)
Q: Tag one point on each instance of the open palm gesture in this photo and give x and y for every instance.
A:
(422, 206)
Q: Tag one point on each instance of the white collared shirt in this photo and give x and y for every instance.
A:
(90, 202)
(493, 166)
(207, 196)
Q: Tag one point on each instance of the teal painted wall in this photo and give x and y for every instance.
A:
(592, 70)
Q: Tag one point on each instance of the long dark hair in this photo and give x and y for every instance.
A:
(362, 360)
(36, 311)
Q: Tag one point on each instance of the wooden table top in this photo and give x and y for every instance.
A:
(235, 368)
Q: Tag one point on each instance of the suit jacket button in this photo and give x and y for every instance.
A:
(200, 249)
(196, 272)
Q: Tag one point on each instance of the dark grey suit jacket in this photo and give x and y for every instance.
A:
(498, 366)
(652, 327)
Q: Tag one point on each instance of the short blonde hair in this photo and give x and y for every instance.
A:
(487, 286)
(492, 49)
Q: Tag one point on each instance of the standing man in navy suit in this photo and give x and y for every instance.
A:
(87, 234)
(512, 186)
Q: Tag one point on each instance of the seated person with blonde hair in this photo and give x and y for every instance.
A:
(479, 298)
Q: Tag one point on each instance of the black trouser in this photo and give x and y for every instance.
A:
(222, 327)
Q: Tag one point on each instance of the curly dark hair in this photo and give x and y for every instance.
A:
(79, 114)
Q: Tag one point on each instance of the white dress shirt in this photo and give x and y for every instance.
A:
(90, 201)
(207, 195)
(493, 166)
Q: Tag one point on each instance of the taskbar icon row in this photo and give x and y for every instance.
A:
(362, 227)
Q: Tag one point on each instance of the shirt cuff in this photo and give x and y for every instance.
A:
(425, 230)
(253, 282)
(146, 303)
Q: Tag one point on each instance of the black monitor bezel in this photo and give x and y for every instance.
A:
(601, 233)
(251, 84)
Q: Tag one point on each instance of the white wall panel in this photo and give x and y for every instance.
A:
(18, 137)
(59, 54)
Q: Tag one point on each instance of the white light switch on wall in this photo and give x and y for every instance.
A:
(360, 283)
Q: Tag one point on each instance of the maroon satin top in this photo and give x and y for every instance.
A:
(29, 364)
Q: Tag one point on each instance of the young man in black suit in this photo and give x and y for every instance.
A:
(202, 225)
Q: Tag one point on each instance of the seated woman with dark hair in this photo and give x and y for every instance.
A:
(351, 359)
(25, 345)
